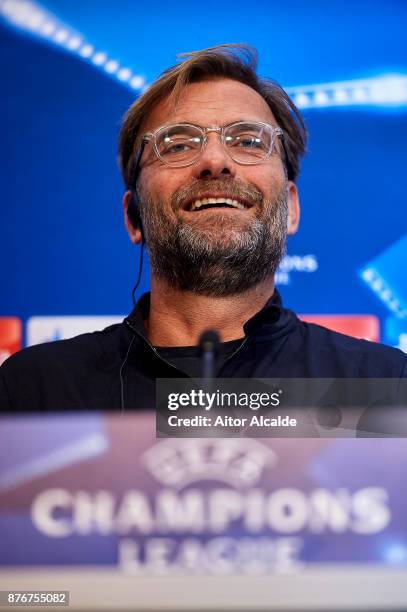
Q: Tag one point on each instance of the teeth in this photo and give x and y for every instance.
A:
(198, 203)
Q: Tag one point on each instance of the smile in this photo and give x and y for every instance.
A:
(222, 202)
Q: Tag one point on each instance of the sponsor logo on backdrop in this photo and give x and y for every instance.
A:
(385, 275)
(48, 329)
(366, 327)
(10, 337)
(211, 506)
(295, 263)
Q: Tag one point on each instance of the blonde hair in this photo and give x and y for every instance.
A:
(230, 61)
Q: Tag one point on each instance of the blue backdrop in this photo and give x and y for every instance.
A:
(71, 69)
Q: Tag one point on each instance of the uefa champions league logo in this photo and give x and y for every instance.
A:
(211, 506)
(239, 463)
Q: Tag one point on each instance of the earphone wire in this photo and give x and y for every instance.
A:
(122, 377)
(133, 295)
(140, 272)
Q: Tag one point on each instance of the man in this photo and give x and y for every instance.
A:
(209, 155)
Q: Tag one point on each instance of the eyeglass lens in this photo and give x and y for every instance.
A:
(246, 143)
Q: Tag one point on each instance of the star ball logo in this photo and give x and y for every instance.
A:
(212, 506)
(238, 463)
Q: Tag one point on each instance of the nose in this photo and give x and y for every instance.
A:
(214, 160)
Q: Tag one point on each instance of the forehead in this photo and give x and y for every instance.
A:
(213, 102)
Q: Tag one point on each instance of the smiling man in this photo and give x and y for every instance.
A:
(215, 207)
(209, 155)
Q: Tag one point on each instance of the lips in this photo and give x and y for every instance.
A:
(229, 195)
(206, 202)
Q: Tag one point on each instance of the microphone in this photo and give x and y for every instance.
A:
(209, 346)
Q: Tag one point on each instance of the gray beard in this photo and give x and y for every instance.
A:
(189, 258)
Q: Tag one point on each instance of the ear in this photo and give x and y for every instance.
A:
(293, 202)
(134, 232)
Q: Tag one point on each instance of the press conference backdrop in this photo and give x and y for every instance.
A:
(71, 69)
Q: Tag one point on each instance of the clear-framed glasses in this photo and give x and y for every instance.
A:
(247, 142)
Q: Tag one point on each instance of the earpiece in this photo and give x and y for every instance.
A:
(133, 211)
(133, 206)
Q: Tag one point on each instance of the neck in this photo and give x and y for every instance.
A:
(178, 318)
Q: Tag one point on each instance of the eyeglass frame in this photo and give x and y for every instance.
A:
(151, 136)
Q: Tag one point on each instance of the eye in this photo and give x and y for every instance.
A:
(176, 145)
(249, 142)
(246, 141)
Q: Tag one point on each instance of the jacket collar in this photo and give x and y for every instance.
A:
(271, 313)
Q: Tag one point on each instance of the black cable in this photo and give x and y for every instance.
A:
(122, 377)
(134, 176)
(135, 173)
(133, 295)
(140, 272)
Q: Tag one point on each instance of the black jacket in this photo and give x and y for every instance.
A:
(117, 367)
